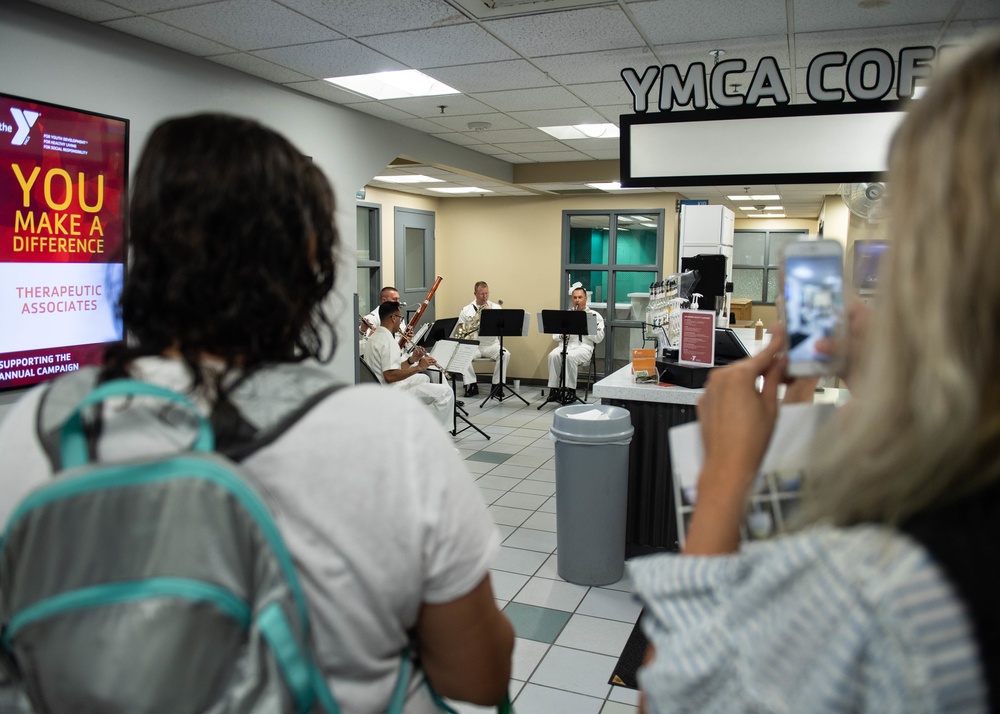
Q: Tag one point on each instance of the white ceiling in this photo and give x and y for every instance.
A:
(522, 64)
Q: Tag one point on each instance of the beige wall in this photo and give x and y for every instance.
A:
(514, 245)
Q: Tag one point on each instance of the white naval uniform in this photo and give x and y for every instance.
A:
(382, 353)
(578, 353)
(489, 347)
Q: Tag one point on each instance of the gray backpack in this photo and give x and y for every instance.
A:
(156, 584)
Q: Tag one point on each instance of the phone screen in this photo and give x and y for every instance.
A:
(813, 306)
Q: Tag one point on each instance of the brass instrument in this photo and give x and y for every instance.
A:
(470, 330)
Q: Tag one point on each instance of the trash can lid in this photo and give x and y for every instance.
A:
(592, 424)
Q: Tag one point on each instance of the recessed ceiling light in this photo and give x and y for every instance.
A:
(393, 85)
(408, 178)
(755, 197)
(461, 189)
(582, 131)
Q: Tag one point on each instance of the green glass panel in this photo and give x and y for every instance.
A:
(589, 238)
(636, 240)
(632, 282)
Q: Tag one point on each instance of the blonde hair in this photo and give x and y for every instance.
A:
(924, 427)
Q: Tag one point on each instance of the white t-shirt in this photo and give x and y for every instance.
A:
(374, 531)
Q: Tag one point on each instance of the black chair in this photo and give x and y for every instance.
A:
(368, 375)
(591, 375)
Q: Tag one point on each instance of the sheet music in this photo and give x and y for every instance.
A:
(455, 355)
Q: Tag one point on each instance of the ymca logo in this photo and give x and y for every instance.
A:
(24, 119)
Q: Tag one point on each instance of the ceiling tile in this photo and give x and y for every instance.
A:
(155, 31)
(669, 21)
(555, 156)
(602, 93)
(584, 67)
(425, 125)
(382, 111)
(513, 135)
(514, 100)
(462, 139)
(491, 76)
(247, 24)
(535, 147)
(977, 10)
(337, 58)
(325, 90)
(460, 122)
(259, 68)
(821, 15)
(356, 17)
(93, 10)
(442, 46)
(430, 107)
(559, 117)
(595, 28)
(144, 6)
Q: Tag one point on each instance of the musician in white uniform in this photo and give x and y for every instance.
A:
(579, 349)
(370, 322)
(384, 356)
(489, 347)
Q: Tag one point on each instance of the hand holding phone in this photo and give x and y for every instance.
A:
(812, 304)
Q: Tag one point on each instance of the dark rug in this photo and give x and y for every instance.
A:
(624, 674)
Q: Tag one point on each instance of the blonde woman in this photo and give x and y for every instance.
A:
(886, 600)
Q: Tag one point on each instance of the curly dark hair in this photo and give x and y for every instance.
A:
(232, 238)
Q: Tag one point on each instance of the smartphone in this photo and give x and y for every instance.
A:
(812, 303)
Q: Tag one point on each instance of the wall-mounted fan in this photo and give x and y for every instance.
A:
(866, 200)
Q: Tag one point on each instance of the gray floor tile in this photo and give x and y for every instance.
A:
(539, 624)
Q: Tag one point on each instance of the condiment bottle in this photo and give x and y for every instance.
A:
(758, 330)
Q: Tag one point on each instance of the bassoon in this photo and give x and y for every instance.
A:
(420, 311)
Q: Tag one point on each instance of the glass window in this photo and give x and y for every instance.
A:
(756, 262)
(369, 248)
(413, 273)
(636, 240)
(589, 236)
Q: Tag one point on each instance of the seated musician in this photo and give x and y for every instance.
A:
(370, 322)
(384, 356)
(489, 347)
(579, 349)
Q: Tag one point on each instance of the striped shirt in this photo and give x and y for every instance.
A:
(827, 620)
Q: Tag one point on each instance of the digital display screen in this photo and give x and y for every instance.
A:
(63, 184)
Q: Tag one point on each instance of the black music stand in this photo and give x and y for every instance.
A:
(498, 323)
(565, 323)
(442, 329)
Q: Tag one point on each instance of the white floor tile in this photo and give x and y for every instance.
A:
(527, 655)
(530, 539)
(549, 506)
(514, 499)
(500, 483)
(523, 459)
(595, 634)
(575, 671)
(625, 584)
(510, 471)
(624, 695)
(505, 531)
(508, 516)
(553, 594)
(541, 488)
(611, 604)
(506, 585)
(544, 475)
(541, 521)
(534, 699)
(490, 495)
(549, 568)
(517, 560)
(519, 439)
(611, 707)
(501, 447)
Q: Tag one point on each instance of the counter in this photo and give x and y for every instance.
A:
(651, 521)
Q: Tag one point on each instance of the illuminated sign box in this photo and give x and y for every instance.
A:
(807, 143)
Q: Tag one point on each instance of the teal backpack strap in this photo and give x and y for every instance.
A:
(399, 692)
(73, 439)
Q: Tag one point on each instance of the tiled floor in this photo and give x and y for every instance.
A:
(569, 636)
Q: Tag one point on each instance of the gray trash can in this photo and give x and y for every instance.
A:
(591, 491)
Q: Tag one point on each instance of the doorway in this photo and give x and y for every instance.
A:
(414, 264)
